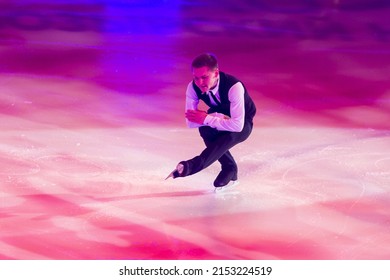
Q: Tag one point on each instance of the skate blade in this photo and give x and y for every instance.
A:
(170, 175)
(228, 187)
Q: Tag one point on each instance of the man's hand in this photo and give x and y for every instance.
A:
(196, 116)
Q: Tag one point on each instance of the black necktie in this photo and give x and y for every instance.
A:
(214, 98)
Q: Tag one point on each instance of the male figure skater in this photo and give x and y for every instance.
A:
(228, 121)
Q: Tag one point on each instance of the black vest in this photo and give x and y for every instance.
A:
(225, 83)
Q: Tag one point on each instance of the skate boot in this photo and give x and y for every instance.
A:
(224, 177)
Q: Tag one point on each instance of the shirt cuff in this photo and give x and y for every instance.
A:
(208, 120)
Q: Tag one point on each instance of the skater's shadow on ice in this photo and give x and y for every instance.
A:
(162, 195)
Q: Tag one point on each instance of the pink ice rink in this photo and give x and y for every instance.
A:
(92, 121)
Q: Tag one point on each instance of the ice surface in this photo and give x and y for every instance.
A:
(92, 121)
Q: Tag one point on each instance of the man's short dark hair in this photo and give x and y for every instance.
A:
(206, 59)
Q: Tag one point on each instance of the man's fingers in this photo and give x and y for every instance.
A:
(190, 113)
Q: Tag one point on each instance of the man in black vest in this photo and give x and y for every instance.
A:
(228, 121)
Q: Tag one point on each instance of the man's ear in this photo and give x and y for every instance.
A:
(216, 73)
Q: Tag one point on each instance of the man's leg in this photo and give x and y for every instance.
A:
(229, 170)
(209, 135)
(215, 150)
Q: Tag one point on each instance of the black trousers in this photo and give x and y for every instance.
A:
(218, 144)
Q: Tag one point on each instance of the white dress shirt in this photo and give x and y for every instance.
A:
(235, 123)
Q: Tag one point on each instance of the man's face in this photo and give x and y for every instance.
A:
(205, 78)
